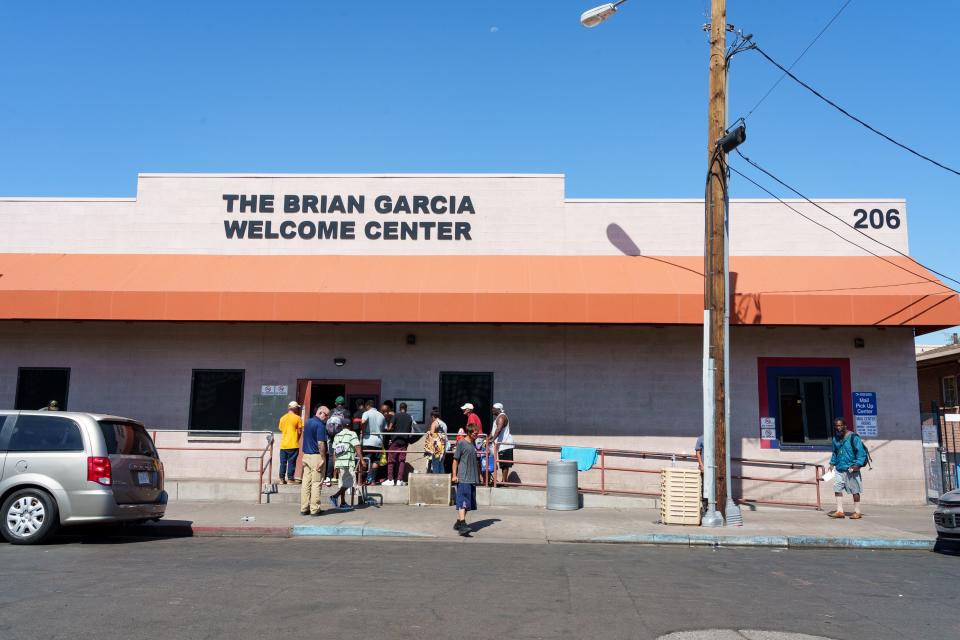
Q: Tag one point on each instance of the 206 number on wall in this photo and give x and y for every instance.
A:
(876, 219)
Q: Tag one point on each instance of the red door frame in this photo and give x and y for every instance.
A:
(351, 386)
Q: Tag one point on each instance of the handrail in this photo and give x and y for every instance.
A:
(603, 467)
(264, 457)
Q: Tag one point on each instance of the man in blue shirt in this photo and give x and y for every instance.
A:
(314, 449)
(849, 455)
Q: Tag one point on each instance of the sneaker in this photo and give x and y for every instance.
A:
(328, 481)
(345, 507)
(317, 513)
(456, 525)
(294, 481)
(837, 514)
(464, 529)
(401, 483)
(388, 483)
(304, 513)
(856, 515)
(283, 481)
(333, 501)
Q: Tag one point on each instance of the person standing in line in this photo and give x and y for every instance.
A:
(501, 439)
(849, 455)
(358, 410)
(291, 427)
(466, 475)
(339, 418)
(472, 418)
(402, 427)
(314, 452)
(346, 450)
(435, 442)
(372, 424)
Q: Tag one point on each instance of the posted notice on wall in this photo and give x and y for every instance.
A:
(768, 433)
(865, 413)
(273, 390)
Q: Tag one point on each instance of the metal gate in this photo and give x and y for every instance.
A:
(941, 449)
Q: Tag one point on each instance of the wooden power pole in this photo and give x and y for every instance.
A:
(716, 241)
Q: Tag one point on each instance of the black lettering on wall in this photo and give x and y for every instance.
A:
(248, 203)
(288, 229)
(291, 204)
(230, 198)
(372, 230)
(266, 203)
(235, 228)
(310, 204)
(461, 231)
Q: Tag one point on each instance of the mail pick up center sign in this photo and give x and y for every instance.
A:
(865, 413)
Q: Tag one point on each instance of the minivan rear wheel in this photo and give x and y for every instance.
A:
(29, 516)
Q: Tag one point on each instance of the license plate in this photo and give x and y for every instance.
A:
(143, 477)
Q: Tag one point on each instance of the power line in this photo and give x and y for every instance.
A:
(794, 63)
(851, 116)
(842, 221)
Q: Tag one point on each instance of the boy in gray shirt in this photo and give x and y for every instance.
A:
(466, 475)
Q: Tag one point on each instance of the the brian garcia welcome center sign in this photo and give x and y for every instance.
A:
(289, 222)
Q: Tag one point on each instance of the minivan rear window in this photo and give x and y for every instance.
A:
(127, 439)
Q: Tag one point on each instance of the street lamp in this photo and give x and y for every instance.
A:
(595, 16)
(716, 312)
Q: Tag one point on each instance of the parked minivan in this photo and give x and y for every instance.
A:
(66, 468)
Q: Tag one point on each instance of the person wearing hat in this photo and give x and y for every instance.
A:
(291, 427)
(501, 440)
(472, 417)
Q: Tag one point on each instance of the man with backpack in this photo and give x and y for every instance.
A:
(849, 455)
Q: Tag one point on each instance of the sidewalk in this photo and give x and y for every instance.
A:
(880, 528)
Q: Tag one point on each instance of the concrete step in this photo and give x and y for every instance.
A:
(187, 489)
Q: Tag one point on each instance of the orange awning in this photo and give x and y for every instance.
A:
(768, 290)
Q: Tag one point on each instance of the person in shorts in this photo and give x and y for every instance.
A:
(346, 450)
(849, 455)
(501, 440)
(466, 475)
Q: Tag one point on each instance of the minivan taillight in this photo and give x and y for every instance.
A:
(99, 471)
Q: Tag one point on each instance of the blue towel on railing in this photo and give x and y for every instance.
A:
(585, 457)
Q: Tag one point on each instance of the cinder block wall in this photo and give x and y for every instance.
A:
(635, 387)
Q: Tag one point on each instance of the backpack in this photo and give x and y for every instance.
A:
(866, 451)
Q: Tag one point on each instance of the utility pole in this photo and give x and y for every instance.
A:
(715, 285)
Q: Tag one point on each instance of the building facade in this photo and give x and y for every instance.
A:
(210, 301)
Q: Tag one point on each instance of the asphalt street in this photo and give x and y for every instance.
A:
(193, 588)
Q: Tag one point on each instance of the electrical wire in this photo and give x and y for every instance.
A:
(842, 221)
(797, 59)
(851, 116)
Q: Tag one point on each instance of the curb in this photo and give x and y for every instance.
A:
(186, 530)
(782, 542)
(308, 530)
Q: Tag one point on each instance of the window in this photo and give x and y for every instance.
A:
(806, 409)
(458, 388)
(45, 433)
(949, 384)
(216, 399)
(36, 387)
(803, 396)
(127, 438)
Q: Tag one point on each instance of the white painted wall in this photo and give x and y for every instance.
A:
(515, 215)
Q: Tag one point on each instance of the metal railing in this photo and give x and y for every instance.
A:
(603, 467)
(264, 455)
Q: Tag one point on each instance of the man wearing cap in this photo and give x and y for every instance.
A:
(501, 439)
(291, 426)
(472, 417)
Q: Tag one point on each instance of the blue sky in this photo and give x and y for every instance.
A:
(93, 93)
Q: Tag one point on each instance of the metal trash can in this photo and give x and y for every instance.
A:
(562, 494)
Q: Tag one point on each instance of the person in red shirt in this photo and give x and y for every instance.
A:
(472, 417)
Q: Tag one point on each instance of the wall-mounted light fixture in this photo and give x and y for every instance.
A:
(411, 338)
(339, 361)
(858, 343)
